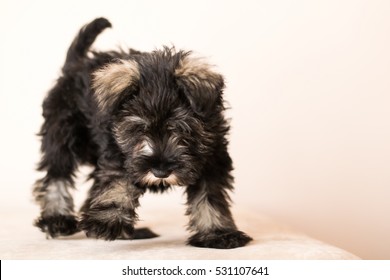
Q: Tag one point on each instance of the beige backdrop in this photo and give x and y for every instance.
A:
(308, 83)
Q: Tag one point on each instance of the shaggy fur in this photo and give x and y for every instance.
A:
(144, 121)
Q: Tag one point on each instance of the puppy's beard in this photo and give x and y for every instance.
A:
(150, 180)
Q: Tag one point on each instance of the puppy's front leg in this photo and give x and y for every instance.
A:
(210, 217)
(109, 212)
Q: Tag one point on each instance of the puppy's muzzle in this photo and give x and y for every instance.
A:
(161, 173)
(163, 168)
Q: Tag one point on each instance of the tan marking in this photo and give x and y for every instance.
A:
(149, 179)
(196, 70)
(55, 199)
(203, 216)
(112, 79)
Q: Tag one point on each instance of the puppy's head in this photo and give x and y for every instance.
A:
(165, 107)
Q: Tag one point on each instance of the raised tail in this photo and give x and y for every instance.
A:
(83, 41)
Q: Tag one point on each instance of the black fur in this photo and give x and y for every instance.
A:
(220, 239)
(57, 225)
(144, 121)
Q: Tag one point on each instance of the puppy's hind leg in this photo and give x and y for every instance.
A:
(60, 140)
(57, 216)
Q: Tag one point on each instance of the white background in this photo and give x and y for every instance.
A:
(277, 270)
(308, 83)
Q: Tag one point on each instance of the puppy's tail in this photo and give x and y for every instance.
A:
(83, 41)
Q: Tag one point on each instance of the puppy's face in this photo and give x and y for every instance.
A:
(160, 104)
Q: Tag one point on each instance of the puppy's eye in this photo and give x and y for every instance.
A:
(135, 119)
(179, 126)
(139, 128)
(136, 123)
(171, 127)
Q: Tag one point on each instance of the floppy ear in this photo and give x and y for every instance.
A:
(201, 85)
(110, 82)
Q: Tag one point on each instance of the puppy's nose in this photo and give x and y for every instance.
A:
(161, 173)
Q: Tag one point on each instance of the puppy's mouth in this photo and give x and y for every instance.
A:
(151, 180)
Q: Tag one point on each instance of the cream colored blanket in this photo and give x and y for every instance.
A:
(20, 240)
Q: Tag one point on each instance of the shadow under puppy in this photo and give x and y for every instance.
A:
(145, 121)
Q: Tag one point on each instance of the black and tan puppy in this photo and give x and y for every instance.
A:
(144, 121)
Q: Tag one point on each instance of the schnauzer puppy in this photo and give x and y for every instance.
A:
(144, 121)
